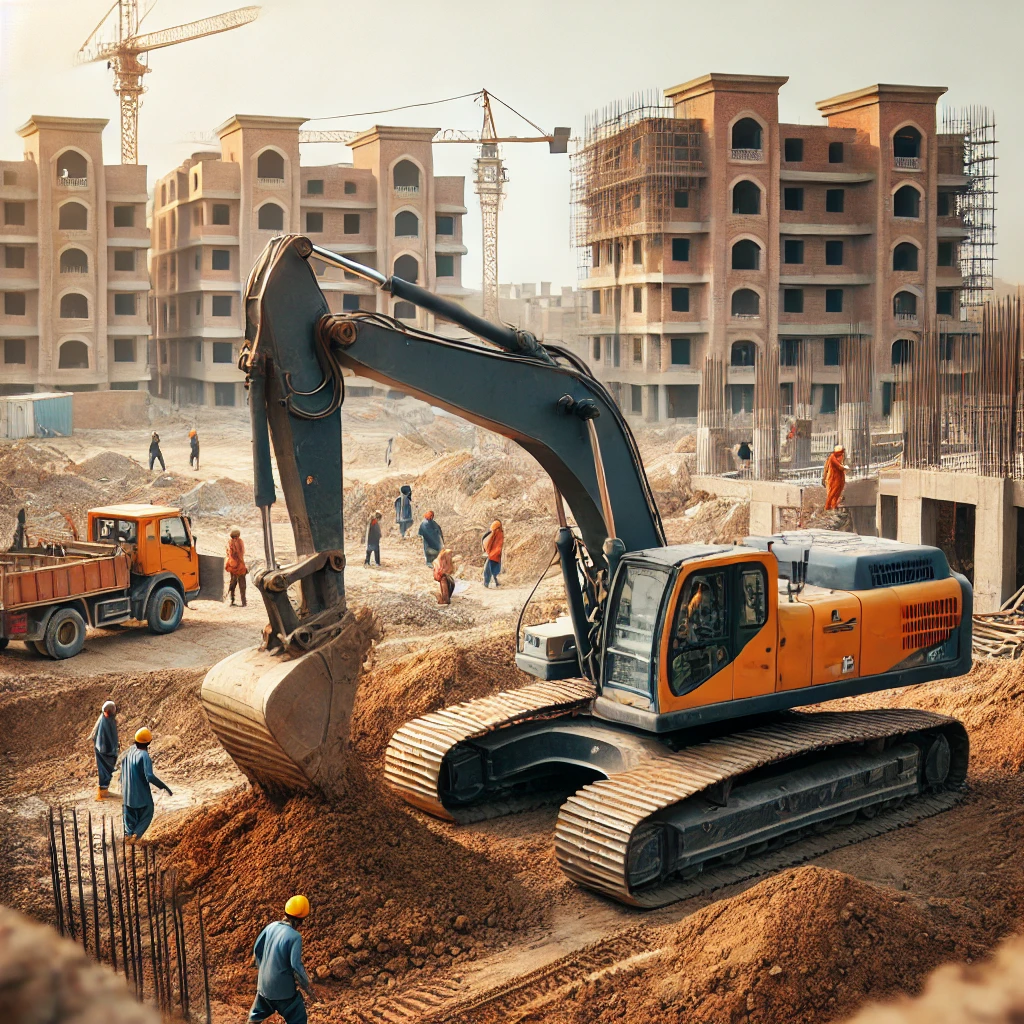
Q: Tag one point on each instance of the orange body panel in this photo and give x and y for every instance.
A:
(796, 629)
(835, 649)
(42, 584)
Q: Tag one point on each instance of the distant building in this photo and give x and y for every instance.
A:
(553, 316)
(213, 215)
(73, 273)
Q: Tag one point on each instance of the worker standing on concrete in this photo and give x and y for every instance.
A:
(444, 574)
(494, 543)
(234, 564)
(278, 956)
(105, 743)
(193, 441)
(155, 455)
(834, 477)
(373, 538)
(403, 509)
(433, 537)
(743, 454)
(136, 779)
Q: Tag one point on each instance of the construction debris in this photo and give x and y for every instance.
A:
(1000, 634)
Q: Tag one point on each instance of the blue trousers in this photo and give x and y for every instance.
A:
(372, 549)
(491, 570)
(105, 764)
(137, 820)
(403, 526)
(293, 1010)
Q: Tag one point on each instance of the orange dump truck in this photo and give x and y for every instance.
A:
(139, 563)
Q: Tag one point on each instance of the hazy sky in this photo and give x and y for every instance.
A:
(555, 61)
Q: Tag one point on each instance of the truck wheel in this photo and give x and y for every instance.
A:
(164, 611)
(3, 643)
(38, 646)
(65, 633)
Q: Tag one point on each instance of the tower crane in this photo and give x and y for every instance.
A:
(116, 40)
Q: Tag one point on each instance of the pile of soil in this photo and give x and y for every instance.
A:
(709, 520)
(221, 497)
(418, 609)
(807, 945)
(113, 466)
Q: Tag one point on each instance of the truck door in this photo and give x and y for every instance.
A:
(176, 554)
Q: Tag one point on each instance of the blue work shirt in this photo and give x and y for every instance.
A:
(105, 735)
(136, 778)
(431, 534)
(278, 955)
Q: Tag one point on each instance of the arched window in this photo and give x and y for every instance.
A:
(746, 134)
(906, 202)
(74, 261)
(746, 198)
(904, 256)
(74, 306)
(904, 304)
(906, 143)
(746, 302)
(163, 195)
(173, 194)
(270, 164)
(74, 355)
(73, 217)
(271, 217)
(901, 351)
(407, 268)
(406, 176)
(746, 255)
(405, 311)
(71, 164)
(407, 225)
(743, 353)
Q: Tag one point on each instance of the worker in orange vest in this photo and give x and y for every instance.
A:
(834, 476)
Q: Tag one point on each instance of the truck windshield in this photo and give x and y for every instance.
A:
(634, 618)
(114, 531)
(172, 531)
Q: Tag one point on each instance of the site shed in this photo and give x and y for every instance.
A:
(46, 414)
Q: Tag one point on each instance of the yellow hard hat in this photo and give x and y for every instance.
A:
(297, 906)
(143, 736)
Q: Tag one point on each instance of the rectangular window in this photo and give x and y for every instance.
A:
(197, 355)
(829, 398)
(793, 198)
(680, 300)
(124, 216)
(445, 265)
(682, 199)
(351, 223)
(14, 350)
(681, 250)
(680, 351)
(124, 259)
(833, 300)
(221, 306)
(350, 188)
(222, 351)
(834, 253)
(945, 207)
(638, 350)
(636, 399)
(595, 254)
(789, 351)
(793, 300)
(14, 213)
(794, 151)
(638, 300)
(14, 303)
(10, 178)
(220, 259)
(124, 304)
(831, 351)
(14, 257)
(944, 302)
(124, 350)
(199, 305)
(199, 258)
(595, 350)
(349, 302)
(945, 258)
(793, 251)
(221, 213)
(595, 301)
(835, 153)
(444, 225)
(314, 223)
(223, 394)
(638, 251)
(197, 214)
(835, 200)
(315, 187)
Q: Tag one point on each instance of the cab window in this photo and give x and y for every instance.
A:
(753, 600)
(172, 531)
(634, 619)
(110, 531)
(700, 636)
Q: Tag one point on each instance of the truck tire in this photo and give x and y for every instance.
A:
(164, 610)
(3, 643)
(65, 634)
(38, 646)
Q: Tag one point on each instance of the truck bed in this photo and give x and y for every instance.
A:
(33, 577)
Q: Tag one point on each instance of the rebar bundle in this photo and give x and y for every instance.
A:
(766, 414)
(855, 398)
(711, 450)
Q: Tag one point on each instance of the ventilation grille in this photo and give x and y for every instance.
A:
(904, 570)
(928, 623)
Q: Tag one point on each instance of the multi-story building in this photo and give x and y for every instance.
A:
(214, 214)
(711, 229)
(554, 316)
(73, 274)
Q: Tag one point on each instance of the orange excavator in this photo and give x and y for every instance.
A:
(662, 716)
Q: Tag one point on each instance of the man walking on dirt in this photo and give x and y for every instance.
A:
(278, 956)
(403, 509)
(155, 455)
(234, 564)
(136, 778)
(104, 737)
(433, 538)
(373, 538)
(193, 444)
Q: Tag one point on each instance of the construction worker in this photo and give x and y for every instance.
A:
(278, 956)
(155, 455)
(104, 738)
(494, 542)
(444, 569)
(433, 538)
(403, 509)
(234, 564)
(373, 538)
(193, 441)
(834, 477)
(136, 779)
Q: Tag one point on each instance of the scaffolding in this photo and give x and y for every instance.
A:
(976, 202)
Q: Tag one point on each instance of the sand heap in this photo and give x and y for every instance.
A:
(706, 519)
(107, 466)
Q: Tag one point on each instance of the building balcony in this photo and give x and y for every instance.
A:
(748, 155)
(79, 271)
(406, 190)
(906, 163)
(270, 182)
(905, 319)
(746, 317)
(72, 182)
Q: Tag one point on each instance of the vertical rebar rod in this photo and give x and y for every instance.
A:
(95, 893)
(165, 943)
(129, 964)
(55, 875)
(179, 941)
(109, 899)
(157, 987)
(67, 875)
(78, 871)
(140, 959)
(202, 955)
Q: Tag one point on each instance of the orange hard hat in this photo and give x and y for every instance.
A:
(143, 736)
(428, 515)
(192, 433)
(297, 906)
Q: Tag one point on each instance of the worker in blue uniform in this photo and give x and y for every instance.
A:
(433, 538)
(278, 956)
(105, 744)
(137, 777)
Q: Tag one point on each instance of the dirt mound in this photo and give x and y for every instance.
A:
(25, 464)
(221, 497)
(669, 478)
(419, 609)
(49, 980)
(709, 520)
(109, 466)
(808, 945)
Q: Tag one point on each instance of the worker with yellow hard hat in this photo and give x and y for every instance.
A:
(137, 777)
(278, 956)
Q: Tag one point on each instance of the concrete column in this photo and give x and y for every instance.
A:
(762, 518)
(995, 544)
(710, 450)
(802, 443)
